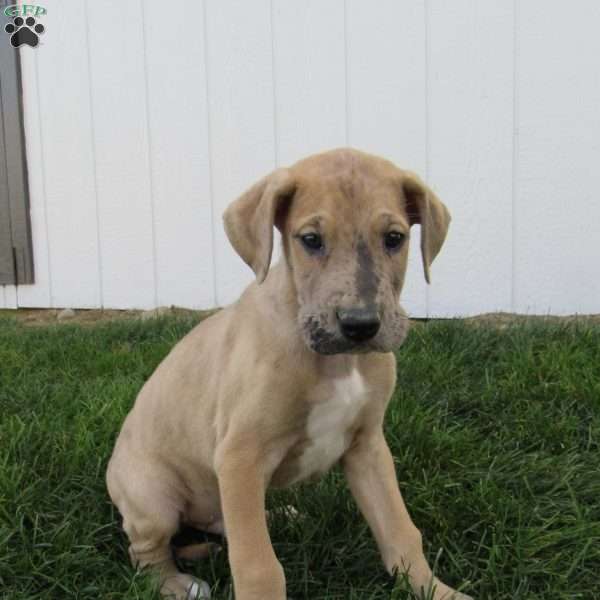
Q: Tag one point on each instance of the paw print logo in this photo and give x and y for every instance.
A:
(24, 31)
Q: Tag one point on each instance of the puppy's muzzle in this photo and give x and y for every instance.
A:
(358, 324)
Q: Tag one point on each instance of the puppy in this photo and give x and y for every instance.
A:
(292, 378)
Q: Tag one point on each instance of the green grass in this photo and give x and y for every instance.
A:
(495, 434)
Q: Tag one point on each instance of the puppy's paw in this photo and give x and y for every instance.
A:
(437, 590)
(184, 587)
(458, 596)
(443, 592)
(199, 590)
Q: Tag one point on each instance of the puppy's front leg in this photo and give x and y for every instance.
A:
(370, 472)
(257, 574)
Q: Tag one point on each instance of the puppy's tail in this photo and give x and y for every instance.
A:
(197, 551)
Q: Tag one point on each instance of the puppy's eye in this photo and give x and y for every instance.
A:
(393, 240)
(312, 241)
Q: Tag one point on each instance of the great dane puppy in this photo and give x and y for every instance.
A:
(292, 378)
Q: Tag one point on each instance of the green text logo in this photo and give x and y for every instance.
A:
(24, 10)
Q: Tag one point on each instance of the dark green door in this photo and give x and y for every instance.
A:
(16, 259)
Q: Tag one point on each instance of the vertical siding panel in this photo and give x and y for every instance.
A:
(66, 161)
(122, 155)
(241, 112)
(557, 208)
(470, 160)
(309, 59)
(386, 99)
(10, 296)
(37, 295)
(309, 79)
(177, 104)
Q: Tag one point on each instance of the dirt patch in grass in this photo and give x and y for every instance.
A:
(44, 316)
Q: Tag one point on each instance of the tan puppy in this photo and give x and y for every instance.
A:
(292, 378)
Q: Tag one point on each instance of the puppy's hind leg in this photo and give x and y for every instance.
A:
(150, 520)
(151, 549)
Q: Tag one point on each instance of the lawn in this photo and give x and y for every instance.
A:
(495, 432)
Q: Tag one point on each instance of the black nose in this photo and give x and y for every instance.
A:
(358, 324)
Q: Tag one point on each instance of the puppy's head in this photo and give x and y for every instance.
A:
(345, 220)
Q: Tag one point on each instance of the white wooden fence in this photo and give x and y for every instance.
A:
(144, 119)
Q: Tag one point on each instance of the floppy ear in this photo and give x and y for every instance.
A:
(249, 220)
(424, 207)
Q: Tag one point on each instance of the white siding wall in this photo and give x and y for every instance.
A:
(145, 119)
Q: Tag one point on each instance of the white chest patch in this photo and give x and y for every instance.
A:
(329, 423)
